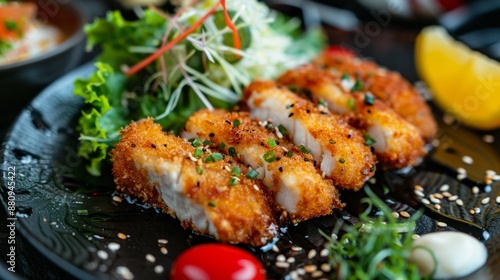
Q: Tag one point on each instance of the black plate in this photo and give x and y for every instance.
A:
(51, 185)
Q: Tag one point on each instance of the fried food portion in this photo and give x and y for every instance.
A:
(337, 147)
(388, 86)
(163, 170)
(397, 144)
(297, 186)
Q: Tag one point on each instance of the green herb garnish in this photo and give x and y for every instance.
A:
(282, 129)
(351, 104)
(233, 181)
(252, 174)
(198, 153)
(83, 212)
(207, 143)
(222, 145)
(369, 99)
(269, 156)
(236, 123)
(289, 154)
(231, 151)
(358, 86)
(303, 149)
(213, 157)
(375, 247)
(369, 140)
(331, 141)
(199, 170)
(197, 142)
(342, 160)
(235, 171)
(211, 204)
(345, 76)
(271, 142)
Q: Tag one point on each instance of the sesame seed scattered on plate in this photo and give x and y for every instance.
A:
(453, 198)
(113, 246)
(159, 269)
(485, 200)
(459, 202)
(404, 214)
(475, 190)
(150, 258)
(102, 254)
(441, 224)
(488, 138)
(444, 188)
(467, 160)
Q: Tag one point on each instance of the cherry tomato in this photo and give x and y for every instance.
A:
(14, 17)
(216, 261)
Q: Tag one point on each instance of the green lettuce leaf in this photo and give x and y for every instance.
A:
(102, 116)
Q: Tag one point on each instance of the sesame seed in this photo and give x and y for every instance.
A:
(459, 202)
(372, 180)
(472, 212)
(296, 248)
(281, 258)
(162, 241)
(404, 214)
(475, 190)
(159, 269)
(290, 260)
(301, 271)
(113, 246)
(311, 254)
(282, 265)
(102, 254)
(415, 236)
(490, 172)
(275, 248)
(121, 235)
(418, 188)
(326, 267)
(467, 160)
(446, 194)
(324, 252)
(395, 215)
(453, 198)
(461, 176)
(278, 133)
(163, 250)
(150, 258)
(437, 206)
(263, 123)
(461, 170)
(227, 168)
(294, 275)
(419, 193)
(444, 188)
(191, 157)
(117, 198)
(435, 200)
(256, 187)
(441, 224)
(124, 272)
(425, 201)
(310, 268)
(488, 138)
(485, 200)
(478, 210)
(497, 199)
(317, 274)
(438, 196)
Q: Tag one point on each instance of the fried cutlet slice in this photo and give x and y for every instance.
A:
(398, 143)
(388, 86)
(337, 147)
(193, 185)
(284, 169)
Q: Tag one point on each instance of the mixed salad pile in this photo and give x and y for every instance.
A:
(167, 66)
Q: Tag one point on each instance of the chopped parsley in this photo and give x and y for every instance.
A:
(233, 181)
(207, 143)
(213, 157)
(351, 104)
(236, 171)
(222, 145)
(358, 86)
(342, 160)
(211, 204)
(199, 170)
(10, 25)
(197, 142)
(282, 129)
(269, 156)
(83, 212)
(289, 154)
(322, 102)
(345, 76)
(303, 149)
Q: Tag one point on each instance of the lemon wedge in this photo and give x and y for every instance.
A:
(465, 83)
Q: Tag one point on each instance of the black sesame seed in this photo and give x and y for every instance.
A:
(132, 145)
(349, 135)
(278, 158)
(290, 115)
(211, 134)
(198, 183)
(165, 145)
(308, 111)
(153, 146)
(228, 122)
(280, 169)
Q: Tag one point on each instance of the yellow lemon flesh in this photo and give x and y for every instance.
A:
(465, 83)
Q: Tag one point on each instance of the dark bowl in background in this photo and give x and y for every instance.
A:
(21, 81)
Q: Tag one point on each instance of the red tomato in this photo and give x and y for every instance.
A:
(19, 14)
(216, 261)
(339, 50)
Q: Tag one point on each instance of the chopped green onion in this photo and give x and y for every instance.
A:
(199, 170)
(282, 129)
(197, 142)
(332, 141)
(213, 157)
(235, 171)
(233, 181)
(236, 123)
(10, 25)
(211, 204)
(271, 142)
(270, 156)
(83, 212)
(358, 86)
(322, 102)
(207, 143)
(351, 104)
(222, 145)
(289, 154)
(231, 151)
(345, 76)
(342, 160)
(252, 174)
(303, 149)
(369, 140)
(198, 153)
(369, 99)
